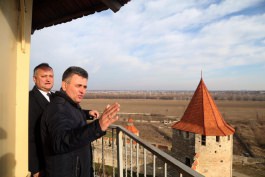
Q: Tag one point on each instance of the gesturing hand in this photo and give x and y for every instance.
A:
(109, 116)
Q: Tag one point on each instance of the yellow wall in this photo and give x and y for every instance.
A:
(14, 78)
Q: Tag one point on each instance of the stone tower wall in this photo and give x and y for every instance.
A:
(214, 158)
(183, 145)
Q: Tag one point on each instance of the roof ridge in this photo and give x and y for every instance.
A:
(201, 85)
(214, 112)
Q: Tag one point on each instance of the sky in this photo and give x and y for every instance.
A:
(161, 45)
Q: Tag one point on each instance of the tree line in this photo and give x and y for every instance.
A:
(177, 95)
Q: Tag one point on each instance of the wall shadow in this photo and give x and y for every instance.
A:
(7, 161)
(3, 134)
(6, 7)
(7, 165)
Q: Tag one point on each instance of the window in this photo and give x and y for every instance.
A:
(179, 132)
(217, 138)
(187, 135)
(228, 137)
(187, 162)
(203, 140)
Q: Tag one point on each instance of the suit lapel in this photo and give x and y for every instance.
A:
(42, 101)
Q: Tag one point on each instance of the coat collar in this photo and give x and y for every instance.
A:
(62, 94)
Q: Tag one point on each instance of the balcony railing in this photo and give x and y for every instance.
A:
(121, 153)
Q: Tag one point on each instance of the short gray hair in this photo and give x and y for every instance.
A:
(42, 65)
(74, 70)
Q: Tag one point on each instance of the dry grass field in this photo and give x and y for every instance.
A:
(247, 117)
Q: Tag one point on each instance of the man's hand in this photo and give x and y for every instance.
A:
(94, 113)
(109, 116)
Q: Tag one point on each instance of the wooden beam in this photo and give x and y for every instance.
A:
(114, 5)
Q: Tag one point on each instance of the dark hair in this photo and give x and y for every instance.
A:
(42, 65)
(74, 70)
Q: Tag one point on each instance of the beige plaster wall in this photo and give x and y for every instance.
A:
(14, 78)
(215, 159)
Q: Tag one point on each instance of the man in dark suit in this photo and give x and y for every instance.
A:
(39, 98)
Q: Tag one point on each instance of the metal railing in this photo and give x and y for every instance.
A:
(121, 153)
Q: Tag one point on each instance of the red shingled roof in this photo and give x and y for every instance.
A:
(202, 115)
(131, 127)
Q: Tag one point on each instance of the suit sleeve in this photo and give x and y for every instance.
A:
(34, 135)
(64, 138)
(88, 117)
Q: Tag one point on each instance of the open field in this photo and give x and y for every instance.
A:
(247, 117)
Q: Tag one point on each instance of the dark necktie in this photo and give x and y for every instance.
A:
(50, 96)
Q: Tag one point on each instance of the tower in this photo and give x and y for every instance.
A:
(202, 139)
(130, 126)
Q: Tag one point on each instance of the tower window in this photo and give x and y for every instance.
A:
(228, 137)
(217, 138)
(187, 135)
(203, 140)
(188, 162)
(179, 132)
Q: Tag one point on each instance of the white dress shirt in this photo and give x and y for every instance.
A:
(45, 94)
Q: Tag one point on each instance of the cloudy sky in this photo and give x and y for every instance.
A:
(161, 45)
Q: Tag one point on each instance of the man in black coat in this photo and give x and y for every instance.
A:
(38, 100)
(66, 136)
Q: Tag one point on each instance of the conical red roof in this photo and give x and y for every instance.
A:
(131, 127)
(202, 115)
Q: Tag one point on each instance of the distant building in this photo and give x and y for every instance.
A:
(130, 126)
(202, 139)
